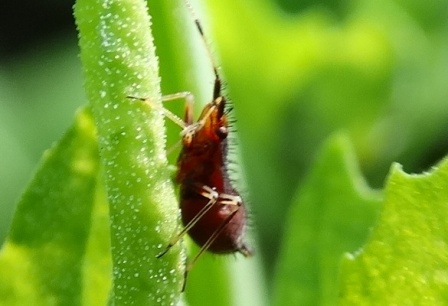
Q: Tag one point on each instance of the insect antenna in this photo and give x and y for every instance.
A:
(218, 83)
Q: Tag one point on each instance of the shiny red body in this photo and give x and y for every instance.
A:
(203, 162)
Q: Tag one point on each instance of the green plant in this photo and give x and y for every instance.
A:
(58, 249)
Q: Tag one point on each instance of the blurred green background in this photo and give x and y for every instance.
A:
(296, 72)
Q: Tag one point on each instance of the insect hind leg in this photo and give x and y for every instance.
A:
(207, 192)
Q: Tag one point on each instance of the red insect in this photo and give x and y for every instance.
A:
(213, 212)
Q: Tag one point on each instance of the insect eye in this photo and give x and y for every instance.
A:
(187, 139)
(222, 132)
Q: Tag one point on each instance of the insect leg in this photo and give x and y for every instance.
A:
(224, 199)
(207, 192)
(211, 239)
(189, 101)
(207, 244)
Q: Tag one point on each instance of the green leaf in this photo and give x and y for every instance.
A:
(119, 59)
(331, 215)
(97, 265)
(406, 258)
(41, 262)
